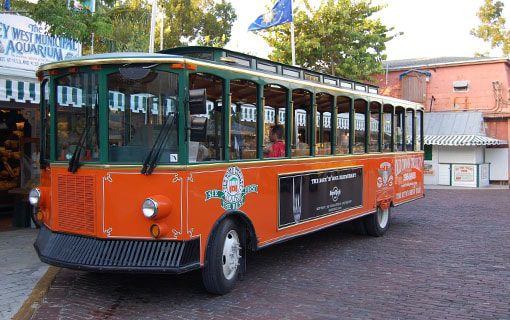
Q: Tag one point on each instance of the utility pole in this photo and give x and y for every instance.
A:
(153, 26)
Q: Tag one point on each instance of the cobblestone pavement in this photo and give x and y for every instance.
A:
(445, 257)
(20, 269)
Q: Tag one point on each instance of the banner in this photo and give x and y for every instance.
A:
(306, 196)
(24, 44)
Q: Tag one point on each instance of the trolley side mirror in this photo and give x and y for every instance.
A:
(198, 129)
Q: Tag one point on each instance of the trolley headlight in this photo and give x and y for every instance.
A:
(150, 208)
(34, 196)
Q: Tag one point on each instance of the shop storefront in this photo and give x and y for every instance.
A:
(456, 165)
(24, 46)
(457, 151)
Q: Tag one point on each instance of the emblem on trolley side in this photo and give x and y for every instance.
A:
(233, 193)
(385, 178)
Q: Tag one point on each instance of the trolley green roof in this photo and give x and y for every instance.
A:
(222, 57)
(241, 60)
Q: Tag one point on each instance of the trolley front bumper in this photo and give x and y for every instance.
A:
(121, 255)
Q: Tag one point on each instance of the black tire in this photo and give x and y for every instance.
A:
(377, 223)
(216, 280)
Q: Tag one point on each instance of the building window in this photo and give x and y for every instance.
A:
(461, 86)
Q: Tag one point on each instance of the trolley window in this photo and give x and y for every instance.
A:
(207, 135)
(302, 113)
(275, 106)
(243, 117)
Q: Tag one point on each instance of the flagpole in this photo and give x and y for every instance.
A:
(292, 43)
(92, 11)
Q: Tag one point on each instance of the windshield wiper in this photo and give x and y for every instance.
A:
(91, 117)
(152, 158)
(74, 162)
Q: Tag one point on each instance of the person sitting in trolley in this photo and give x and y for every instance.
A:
(276, 149)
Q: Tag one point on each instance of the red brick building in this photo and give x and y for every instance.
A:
(460, 84)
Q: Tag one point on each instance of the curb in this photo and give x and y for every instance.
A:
(41, 288)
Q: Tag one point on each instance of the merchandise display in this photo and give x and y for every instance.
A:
(19, 163)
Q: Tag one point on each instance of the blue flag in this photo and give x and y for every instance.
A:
(280, 14)
(7, 5)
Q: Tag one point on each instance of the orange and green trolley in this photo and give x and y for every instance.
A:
(160, 162)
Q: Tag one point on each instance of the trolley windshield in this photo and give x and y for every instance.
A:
(116, 115)
(138, 105)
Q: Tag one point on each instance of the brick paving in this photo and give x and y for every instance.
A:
(20, 269)
(445, 257)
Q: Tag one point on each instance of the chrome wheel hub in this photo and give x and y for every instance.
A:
(231, 254)
(383, 217)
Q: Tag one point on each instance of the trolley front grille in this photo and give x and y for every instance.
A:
(76, 203)
(116, 255)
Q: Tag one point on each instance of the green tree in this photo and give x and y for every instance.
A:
(75, 24)
(340, 37)
(205, 22)
(216, 25)
(492, 28)
(125, 25)
(130, 23)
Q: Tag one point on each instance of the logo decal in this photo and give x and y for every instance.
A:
(335, 194)
(233, 193)
(385, 178)
(268, 16)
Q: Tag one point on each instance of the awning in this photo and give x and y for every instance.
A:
(19, 90)
(426, 73)
(462, 140)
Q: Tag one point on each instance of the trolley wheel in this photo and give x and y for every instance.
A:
(223, 258)
(377, 224)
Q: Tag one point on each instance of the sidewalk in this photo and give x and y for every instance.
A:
(20, 269)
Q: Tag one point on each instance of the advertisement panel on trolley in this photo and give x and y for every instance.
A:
(306, 196)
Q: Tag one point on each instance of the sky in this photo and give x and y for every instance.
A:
(432, 28)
